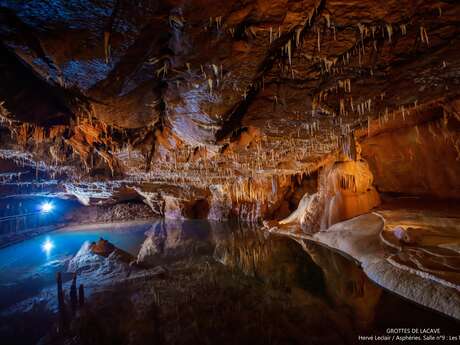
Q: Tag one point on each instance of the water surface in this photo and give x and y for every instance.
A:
(26, 268)
(319, 274)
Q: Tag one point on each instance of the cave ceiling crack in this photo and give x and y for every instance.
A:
(236, 114)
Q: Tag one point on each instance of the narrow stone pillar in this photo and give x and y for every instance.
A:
(61, 305)
(81, 295)
(73, 294)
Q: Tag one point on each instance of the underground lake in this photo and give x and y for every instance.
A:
(183, 281)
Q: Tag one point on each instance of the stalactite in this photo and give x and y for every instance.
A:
(210, 85)
(361, 31)
(403, 29)
(328, 19)
(107, 46)
(389, 31)
(417, 135)
(342, 106)
(219, 22)
(288, 46)
(319, 40)
(310, 16)
(424, 36)
(216, 70)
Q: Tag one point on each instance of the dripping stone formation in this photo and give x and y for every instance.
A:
(316, 122)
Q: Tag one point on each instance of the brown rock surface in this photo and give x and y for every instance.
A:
(216, 94)
(423, 160)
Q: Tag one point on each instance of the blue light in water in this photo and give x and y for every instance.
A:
(47, 246)
(46, 207)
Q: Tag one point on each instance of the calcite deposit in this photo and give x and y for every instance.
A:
(237, 99)
(299, 114)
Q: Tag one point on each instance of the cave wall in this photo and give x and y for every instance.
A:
(418, 160)
(22, 213)
(126, 211)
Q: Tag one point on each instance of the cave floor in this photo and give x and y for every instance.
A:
(420, 261)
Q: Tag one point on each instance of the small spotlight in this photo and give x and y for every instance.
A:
(47, 246)
(46, 207)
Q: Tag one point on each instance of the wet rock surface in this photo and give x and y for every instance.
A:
(427, 243)
(417, 263)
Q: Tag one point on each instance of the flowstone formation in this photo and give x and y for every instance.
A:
(349, 190)
(345, 191)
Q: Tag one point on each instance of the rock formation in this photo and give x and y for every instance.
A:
(301, 114)
(345, 191)
(349, 191)
(228, 103)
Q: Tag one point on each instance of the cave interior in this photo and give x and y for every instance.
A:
(320, 138)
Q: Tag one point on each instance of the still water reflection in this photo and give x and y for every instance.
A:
(306, 273)
(30, 266)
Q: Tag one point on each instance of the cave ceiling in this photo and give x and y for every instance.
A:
(104, 94)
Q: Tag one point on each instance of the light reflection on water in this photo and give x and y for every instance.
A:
(26, 268)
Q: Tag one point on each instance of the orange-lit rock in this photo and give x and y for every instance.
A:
(423, 159)
(350, 188)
